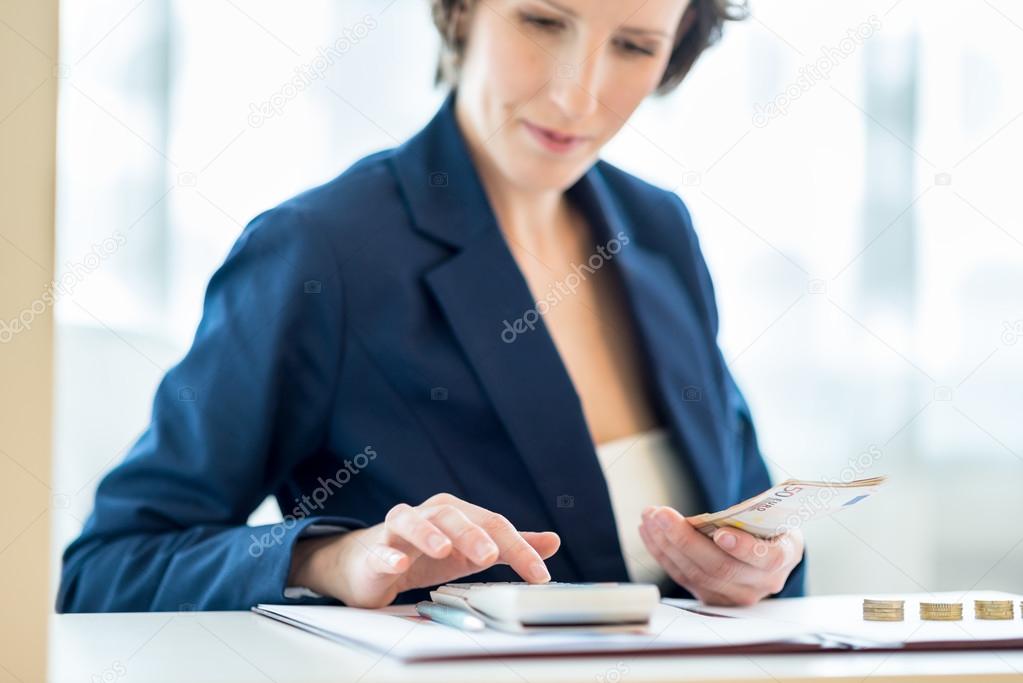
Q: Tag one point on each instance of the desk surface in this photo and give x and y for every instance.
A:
(241, 646)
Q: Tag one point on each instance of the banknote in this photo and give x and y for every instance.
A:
(789, 505)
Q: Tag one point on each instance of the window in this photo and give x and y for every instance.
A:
(852, 169)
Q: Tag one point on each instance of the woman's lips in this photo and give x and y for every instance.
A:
(552, 140)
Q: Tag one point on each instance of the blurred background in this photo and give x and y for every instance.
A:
(853, 170)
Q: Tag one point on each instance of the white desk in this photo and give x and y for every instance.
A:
(241, 646)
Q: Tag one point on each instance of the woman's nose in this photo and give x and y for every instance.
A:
(574, 88)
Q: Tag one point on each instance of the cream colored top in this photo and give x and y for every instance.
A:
(643, 469)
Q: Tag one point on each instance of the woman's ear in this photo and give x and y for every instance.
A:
(454, 20)
(461, 14)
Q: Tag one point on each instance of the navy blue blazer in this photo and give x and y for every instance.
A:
(350, 357)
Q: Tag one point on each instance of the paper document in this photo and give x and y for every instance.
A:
(400, 632)
(842, 615)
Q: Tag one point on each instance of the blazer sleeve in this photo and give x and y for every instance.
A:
(250, 399)
(754, 476)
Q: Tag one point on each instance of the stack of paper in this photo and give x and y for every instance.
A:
(842, 615)
(401, 633)
(678, 626)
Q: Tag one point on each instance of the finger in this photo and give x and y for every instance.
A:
(408, 523)
(661, 561)
(686, 546)
(513, 548)
(701, 593)
(670, 568)
(386, 560)
(545, 543)
(469, 539)
(726, 580)
(768, 555)
(515, 551)
(698, 557)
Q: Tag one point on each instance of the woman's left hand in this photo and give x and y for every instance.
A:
(733, 568)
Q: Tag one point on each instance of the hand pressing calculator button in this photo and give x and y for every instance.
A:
(553, 603)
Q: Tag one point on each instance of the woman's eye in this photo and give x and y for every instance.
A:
(634, 49)
(544, 23)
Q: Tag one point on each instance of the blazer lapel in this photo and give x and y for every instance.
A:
(670, 334)
(479, 289)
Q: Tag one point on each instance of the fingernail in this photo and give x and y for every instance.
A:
(662, 520)
(725, 540)
(485, 549)
(647, 510)
(393, 559)
(437, 542)
(539, 571)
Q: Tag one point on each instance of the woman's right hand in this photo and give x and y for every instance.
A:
(441, 540)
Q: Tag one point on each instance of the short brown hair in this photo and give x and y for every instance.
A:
(701, 26)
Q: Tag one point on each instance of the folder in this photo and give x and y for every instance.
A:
(843, 614)
(815, 624)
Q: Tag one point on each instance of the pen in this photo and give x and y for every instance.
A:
(450, 616)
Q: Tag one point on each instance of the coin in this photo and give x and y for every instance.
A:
(883, 610)
(993, 609)
(941, 611)
(897, 616)
(868, 602)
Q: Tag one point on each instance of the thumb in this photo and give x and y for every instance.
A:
(385, 560)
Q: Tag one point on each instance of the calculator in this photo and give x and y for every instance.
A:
(553, 603)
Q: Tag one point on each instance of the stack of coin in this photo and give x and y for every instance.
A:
(993, 609)
(884, 610)
(941, 611)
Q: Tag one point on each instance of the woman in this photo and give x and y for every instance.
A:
(482, 332)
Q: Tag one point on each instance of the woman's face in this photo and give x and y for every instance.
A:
(545, 84)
